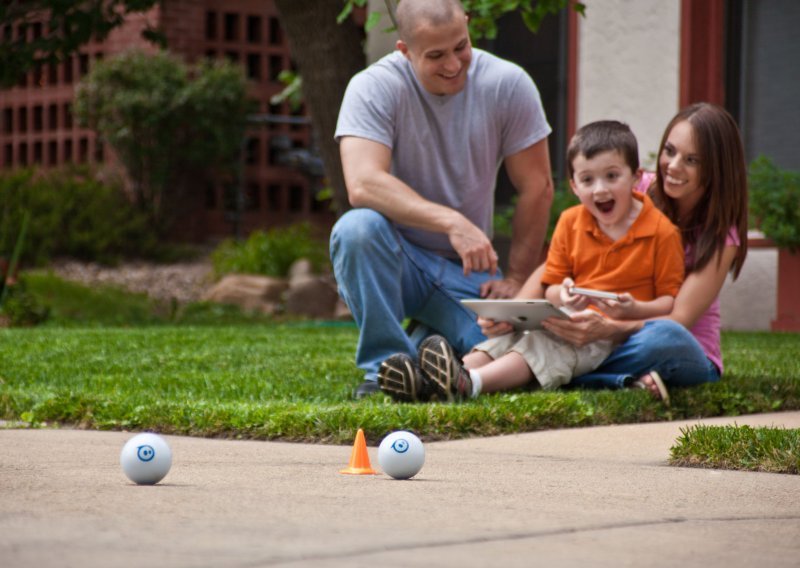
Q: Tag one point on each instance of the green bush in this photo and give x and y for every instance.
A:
(171, 125)
(563, 198)
(270, 253)
(73, 214)
(775, 202)
(21, 308)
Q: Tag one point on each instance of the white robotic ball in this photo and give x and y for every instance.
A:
(146, 459)
(401, 454)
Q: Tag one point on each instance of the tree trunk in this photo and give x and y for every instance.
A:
(327, 55)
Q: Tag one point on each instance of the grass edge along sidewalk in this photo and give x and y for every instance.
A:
(294, 383)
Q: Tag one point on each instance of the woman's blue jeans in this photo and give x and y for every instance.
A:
(664, 346)
(384, 279)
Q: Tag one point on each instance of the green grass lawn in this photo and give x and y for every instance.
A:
(774, 450)
(201, 372)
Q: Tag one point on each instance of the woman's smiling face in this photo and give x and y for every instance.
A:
(681, 167)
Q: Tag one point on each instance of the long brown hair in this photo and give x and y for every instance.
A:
(723, 173)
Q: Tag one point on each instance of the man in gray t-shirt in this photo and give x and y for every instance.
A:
(422, 134)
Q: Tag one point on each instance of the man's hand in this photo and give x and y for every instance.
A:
(500, 289)
(473, 246)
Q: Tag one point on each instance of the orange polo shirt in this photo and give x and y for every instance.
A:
(647, 261)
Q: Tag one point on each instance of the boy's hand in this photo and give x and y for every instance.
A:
(575, 302)
(623, 308)
(491, 328)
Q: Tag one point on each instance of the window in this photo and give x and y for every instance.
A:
(254, 29)
(22, 119)
(254, 66)
(231, 27)
(8, 120)
(761, 90)
(252, 151)
(275, 197)
(275, 32)
(83, 150)
(253, 197)
(275, 67)
(52, 152)
(211, 25)
(67, 115)
(37, 152)
(67, 150)
(68, 70)
(52, 117)
(296, 198)
(83, 64)
(38, 118)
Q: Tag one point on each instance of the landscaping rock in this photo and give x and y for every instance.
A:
(300, 268)
(341, 311)
(248, 291)
(312, 296)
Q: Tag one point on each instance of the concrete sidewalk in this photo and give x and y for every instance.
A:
(584, 497)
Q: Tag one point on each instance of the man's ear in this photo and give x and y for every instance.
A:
(402, 47)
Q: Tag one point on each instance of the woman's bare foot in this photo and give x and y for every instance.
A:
(653, 383)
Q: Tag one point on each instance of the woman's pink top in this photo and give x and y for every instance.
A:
(707, 328)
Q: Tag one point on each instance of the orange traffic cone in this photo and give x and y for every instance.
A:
(359, 459)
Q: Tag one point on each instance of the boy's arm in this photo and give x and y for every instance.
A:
(641, 310)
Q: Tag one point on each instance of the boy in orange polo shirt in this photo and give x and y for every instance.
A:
(614, 240)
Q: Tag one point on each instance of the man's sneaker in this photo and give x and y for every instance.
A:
(444, 370)
(400, 378)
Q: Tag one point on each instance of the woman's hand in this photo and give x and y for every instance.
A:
(491, 328)
(587, 326)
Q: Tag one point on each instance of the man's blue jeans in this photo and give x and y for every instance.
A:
(664, 346)
(384, 279)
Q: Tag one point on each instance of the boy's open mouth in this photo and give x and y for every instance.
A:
(605, 206)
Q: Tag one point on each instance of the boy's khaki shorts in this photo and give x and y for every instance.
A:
(553, 361)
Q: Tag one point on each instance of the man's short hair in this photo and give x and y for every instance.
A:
(411, 13)
(603, 136)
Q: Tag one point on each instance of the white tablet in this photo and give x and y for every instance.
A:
(594, 293)
(522, 314)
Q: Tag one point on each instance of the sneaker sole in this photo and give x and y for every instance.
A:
(437, 360)
(396, 378)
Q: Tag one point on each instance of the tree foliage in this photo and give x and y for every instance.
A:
(169, 124)
(483, 14)
(39, 32)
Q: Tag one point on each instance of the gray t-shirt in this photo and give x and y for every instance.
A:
(447, 148)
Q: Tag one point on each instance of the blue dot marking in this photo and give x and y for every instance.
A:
(400, 446)
(145, 453)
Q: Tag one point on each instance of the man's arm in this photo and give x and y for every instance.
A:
(366, 165)
(529, 172)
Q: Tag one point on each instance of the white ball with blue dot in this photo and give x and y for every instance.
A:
(401, 455)
(146, 459)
